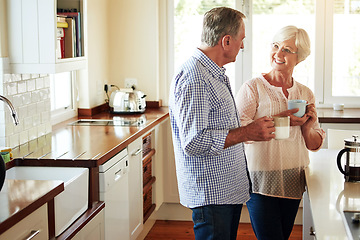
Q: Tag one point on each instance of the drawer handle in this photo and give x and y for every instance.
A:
(118, 175)
(312, 232)
(33, 233)
(137, 152)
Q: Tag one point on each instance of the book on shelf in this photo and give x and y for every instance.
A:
(60, 18)
(60, 43)
(78, 38)
(62, 24)
(70, 38)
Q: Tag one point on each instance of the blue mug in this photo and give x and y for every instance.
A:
(300, 104)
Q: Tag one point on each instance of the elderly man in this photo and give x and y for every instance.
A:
(211, 168)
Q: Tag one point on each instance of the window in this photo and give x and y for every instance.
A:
(346, 48)
(188, 16)
(62, 96)
(332, 70)
(267, 18)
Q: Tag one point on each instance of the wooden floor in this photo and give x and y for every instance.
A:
(183, 230)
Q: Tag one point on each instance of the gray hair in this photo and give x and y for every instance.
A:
(219, 22)
(302, 40)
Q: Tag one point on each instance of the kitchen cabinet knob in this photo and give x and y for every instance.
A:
(33, 233)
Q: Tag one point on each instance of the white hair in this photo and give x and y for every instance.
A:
(302, 40)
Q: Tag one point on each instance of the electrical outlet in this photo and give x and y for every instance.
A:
(130, 82)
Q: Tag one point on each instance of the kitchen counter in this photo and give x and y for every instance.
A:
(19, 198)
(86, 146)
(70, 145)
(348, 115)
(329, 195)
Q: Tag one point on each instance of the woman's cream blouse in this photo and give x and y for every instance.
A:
(276, 166)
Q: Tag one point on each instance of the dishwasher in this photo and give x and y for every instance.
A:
(113, 186)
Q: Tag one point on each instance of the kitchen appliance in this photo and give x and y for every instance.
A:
(127, 100)
(351, 169)
(113, 186)
(2, 172)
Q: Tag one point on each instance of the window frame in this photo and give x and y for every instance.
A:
(60, 115)
(323, 53)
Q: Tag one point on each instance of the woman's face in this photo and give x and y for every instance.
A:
(284, 55)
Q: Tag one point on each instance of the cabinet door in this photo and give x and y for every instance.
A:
(94, 230)
(308, 223)
(35, 226)
(33, 39)
(135, 188)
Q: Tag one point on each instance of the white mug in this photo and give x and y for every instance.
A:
(282, 127)
(300, 104)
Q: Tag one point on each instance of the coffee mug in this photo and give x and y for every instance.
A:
(282, 127)
(338, 106)
(300, 104)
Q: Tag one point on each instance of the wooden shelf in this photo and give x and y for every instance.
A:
(149, 155)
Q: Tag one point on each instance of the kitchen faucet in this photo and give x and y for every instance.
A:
(12, 109)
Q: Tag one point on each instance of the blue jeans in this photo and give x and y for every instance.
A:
(272, 217)
(214, 222)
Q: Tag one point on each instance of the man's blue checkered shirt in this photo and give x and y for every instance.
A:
(202, 111)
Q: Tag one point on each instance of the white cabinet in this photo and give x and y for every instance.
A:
(135, 188)
(308, 223)
(35, 225)
(32, 36)
(94, 230)
(171, 193)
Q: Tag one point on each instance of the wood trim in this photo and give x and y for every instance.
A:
(154, 104)
(10, 164)
(94, 189)
(338, 120)
(51, 218)
(92, 111)
(149, 212)
(87, 112)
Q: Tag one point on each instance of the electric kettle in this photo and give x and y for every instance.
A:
(127, 100)
(351, 168)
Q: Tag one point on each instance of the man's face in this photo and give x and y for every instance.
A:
(237, 43)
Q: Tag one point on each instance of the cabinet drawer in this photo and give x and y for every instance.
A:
(35, 224)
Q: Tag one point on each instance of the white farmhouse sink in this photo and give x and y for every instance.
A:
(70, 203)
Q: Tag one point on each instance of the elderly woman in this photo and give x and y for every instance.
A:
(277, 166)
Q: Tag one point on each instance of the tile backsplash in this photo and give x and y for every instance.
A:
(30, 95)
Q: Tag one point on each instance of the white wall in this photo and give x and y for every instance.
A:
(123, 42)
(92, 80)
(3, 23)
(134, 44)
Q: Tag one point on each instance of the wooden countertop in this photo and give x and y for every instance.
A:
(19, 198)
(348, 115)
(329, 194)
(85, 146)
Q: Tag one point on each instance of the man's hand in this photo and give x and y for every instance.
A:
(261, 129)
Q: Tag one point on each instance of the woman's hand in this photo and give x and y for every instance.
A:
(294, 121)
(311, 116)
